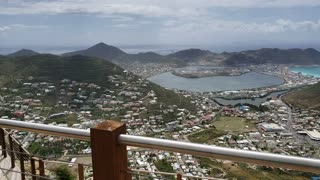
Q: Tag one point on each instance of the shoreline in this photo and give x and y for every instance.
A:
(313, 65)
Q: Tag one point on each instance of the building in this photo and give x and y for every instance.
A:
(271, 127)
(314, 135)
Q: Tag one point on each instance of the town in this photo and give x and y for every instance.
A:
(273, 126)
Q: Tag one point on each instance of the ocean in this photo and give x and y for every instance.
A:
(307, 70)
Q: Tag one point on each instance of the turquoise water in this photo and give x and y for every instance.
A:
(307, 70)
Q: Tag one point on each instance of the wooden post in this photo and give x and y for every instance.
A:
(33, 168)
(109, 158)
(41, 169)
(23, 177)
(3, 143)
(179, 176)
(12, 157)
(80, 172)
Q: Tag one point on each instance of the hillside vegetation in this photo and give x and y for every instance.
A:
(54, 68)
(79, 68)
(308, 97)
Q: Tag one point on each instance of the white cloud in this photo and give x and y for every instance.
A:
(97, 7)
(142, 7)
(246, 3)
(4, 28)
(123, 25)
(144, 22)
(173, 20)
(21, 26)
(217, 31)
(280, 25)
(121, 18)
(298, 25)
(24, 26)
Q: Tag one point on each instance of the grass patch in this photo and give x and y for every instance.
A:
(46, 148)
(164, 166)
(243, 171)
(205, 135)
(69, 119)
(233, 124)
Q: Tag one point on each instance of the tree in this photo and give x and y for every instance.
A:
(63, 173)
(235, 137)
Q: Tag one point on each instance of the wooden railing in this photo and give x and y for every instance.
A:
(13, 149)
(109, 149)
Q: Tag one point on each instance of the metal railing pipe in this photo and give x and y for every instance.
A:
(223, 153)
(261, 158)
(46, 129)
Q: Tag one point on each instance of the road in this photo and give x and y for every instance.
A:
(289, 123)
(1, 98)
(300, 138)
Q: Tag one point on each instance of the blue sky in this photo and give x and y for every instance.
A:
(224, 23)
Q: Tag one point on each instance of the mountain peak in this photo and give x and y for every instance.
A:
(311, 50)
(101, 44)
(100, 50)
(23, 52)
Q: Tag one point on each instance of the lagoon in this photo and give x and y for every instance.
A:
(216, 83)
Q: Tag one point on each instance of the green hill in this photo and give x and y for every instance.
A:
(53, 68)
(308, 97)
(190, 55)
(198, 56)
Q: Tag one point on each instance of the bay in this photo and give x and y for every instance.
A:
(216, 83)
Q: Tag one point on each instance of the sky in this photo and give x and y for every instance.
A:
(198, 23)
